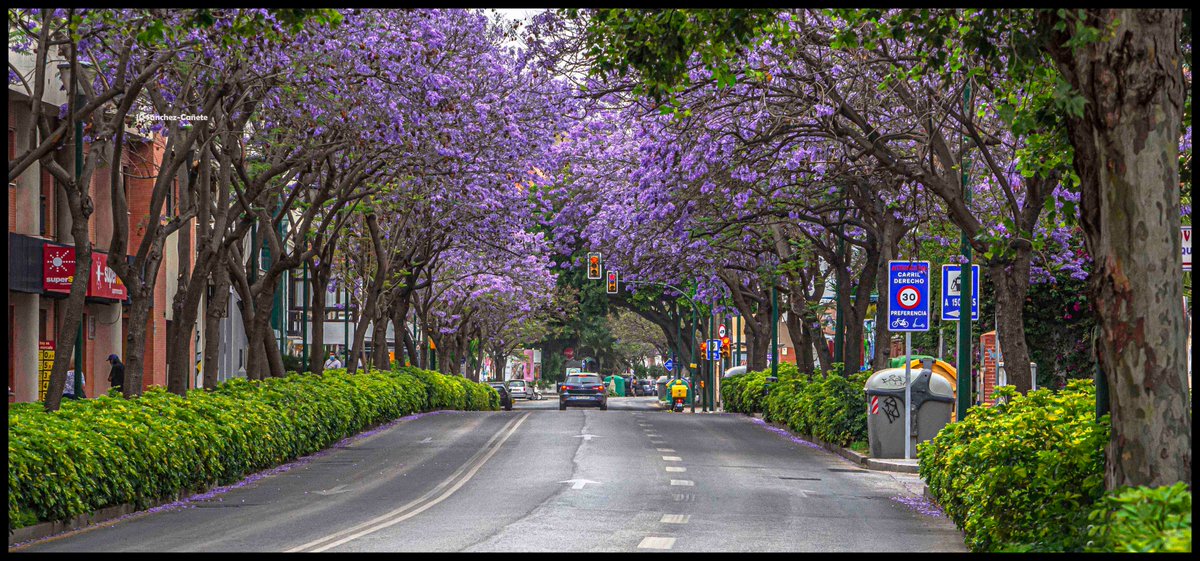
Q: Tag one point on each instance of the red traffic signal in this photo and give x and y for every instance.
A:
(612, 282)
(593, 265)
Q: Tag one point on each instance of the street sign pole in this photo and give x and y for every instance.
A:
(908, 311)
(907, 395)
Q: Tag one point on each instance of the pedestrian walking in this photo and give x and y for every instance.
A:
(116, 377)
(69, 387)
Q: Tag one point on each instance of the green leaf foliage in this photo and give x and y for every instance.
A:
(1142, 519)
(827, 406)
(96, 453)
(1021, 475)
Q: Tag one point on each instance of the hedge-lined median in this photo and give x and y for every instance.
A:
(107, 451)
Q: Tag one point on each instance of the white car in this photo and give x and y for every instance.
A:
(518, 388)
(734, 371)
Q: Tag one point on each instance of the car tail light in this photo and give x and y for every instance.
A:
(568, 388)
(599, 388)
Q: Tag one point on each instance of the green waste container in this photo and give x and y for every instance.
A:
(618, 383)
(898, 362)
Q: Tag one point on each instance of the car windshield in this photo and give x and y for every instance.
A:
(518, 383)
(582, 380)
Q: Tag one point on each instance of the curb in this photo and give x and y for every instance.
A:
(853, 457)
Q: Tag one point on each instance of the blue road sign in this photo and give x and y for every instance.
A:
(952, 292)
(714, 349)
(908, 295)
(669, 365)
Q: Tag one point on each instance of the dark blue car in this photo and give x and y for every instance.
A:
(583, 390)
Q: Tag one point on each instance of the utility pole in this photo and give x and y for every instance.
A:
(774, 331)
(304, 326)
(964, 314)
(79, 267)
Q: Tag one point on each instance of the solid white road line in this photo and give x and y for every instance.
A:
(683, 482)
(652, 542)
(675, 518)
(676, 469)
(426, 501)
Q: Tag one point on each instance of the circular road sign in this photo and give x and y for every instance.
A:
(908, 297)
(721, 330)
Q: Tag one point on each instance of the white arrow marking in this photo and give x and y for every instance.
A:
(334, 491)
(579, 483)
(427, 439)
(588, 436)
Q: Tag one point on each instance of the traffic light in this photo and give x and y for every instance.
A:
(593, 265)
(725, 350)
(612, 282)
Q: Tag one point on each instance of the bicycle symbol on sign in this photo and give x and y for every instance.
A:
(900, 322)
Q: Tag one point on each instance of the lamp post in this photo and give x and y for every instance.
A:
(774, 331)
(964, 318)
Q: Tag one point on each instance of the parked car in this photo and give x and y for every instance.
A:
(646, 387)
(505, 396)
(585, 389)
(518, 388)
(740, 370)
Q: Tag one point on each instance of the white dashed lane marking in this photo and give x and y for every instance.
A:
(665, 449)
(675, 518)
(676, 469)
(652, 542)
(683, 482)
(672, 459)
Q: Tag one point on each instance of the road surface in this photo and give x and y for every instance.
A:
(633, 478)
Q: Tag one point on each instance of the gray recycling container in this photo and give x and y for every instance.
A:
(933, 400)
(661, 382)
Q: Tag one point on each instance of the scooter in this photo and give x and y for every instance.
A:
(677, 406)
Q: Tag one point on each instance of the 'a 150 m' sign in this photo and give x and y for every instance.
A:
(58, 272)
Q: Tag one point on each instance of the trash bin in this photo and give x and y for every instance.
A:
(617, 383)
(933, 401)
(661, 384)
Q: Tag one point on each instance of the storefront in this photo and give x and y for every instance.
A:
(40, 276)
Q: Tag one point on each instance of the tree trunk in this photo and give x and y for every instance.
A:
(319, 284)
(186, 309)
(369, 310)
(1011, 282)
(217, 307)
(1126, 155)
(379, 348)
(81, 209)
(801, 341)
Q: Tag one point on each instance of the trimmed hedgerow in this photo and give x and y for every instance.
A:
(827, 406)
(100, 452)
(1142, 519)
(1023, 474)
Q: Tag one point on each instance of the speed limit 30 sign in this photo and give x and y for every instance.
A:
(908, 295)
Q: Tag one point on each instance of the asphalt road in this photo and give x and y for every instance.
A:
(633, 478)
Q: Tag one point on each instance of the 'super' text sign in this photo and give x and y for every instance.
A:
(1187, 248)
(908, 295)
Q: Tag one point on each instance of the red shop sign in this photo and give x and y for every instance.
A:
(58, 272)
(58, 268)
(103, 281)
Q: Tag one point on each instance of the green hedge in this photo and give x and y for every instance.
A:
(106, 451)
(1021, 474)
(1142, 519)
(828, 406)
(1028, 475)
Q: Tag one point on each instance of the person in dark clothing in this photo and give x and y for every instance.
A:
(116, 378)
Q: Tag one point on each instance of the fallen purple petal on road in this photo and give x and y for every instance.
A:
(920, 505)
(784, 433)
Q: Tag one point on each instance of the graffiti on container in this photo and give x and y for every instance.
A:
(891, 408)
